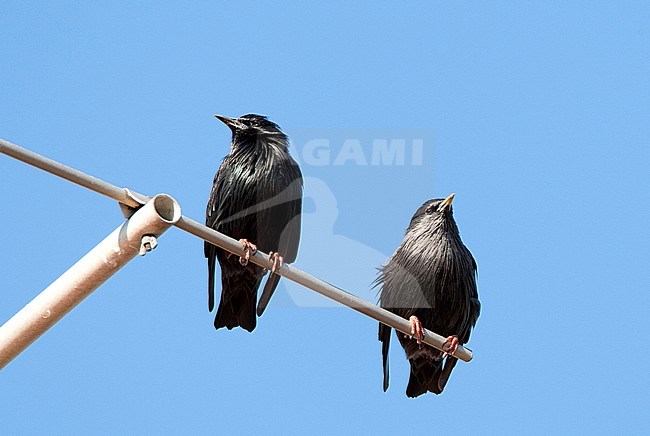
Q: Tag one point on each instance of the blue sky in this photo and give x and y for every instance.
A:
(537, 115)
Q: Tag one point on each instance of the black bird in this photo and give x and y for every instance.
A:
(431, 281)
(256, 196)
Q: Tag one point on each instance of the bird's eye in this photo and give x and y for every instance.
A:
(428, 210)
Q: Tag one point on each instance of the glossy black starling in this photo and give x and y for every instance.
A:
(431, 281)
(256, 198)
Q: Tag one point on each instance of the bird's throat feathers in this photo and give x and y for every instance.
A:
(440, 225)
(431, 236)
(260, 145)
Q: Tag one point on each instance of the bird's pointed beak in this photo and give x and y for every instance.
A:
(445, 204)
(233, 123)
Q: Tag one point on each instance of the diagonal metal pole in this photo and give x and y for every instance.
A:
(66, 292)
(320, 286)
(134, 199)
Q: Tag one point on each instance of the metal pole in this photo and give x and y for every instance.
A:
(231, 245)
(153, 219)
(68, 173)
(318, 285)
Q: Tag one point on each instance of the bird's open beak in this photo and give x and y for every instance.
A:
(445, 204)
(233, 123)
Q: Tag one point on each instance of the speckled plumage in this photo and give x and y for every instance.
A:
(431, 275)
(256, 195)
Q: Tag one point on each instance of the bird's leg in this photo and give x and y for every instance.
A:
(450, 346)
(278, 261)
(249, 249)
(416, 329)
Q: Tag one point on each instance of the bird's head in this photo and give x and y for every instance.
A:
(250, 125)
(435, 214)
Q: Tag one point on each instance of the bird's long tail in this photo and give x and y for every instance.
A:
(429, 375)
(238, 299)
(269, 288)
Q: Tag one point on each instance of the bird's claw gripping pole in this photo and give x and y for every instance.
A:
(131, 201)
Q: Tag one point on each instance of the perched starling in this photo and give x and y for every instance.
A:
(256, 197)
(431, 281)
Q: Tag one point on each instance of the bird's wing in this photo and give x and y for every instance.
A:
(386, 300)
(211, 255)
(290, 236)
(210, 250)
(472, 317)
(235, 199)
(213, 201)
(474, 306)
(285, 216)
(384, 337)
(228, 196)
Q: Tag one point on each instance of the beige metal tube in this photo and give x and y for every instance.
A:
(86, 275)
